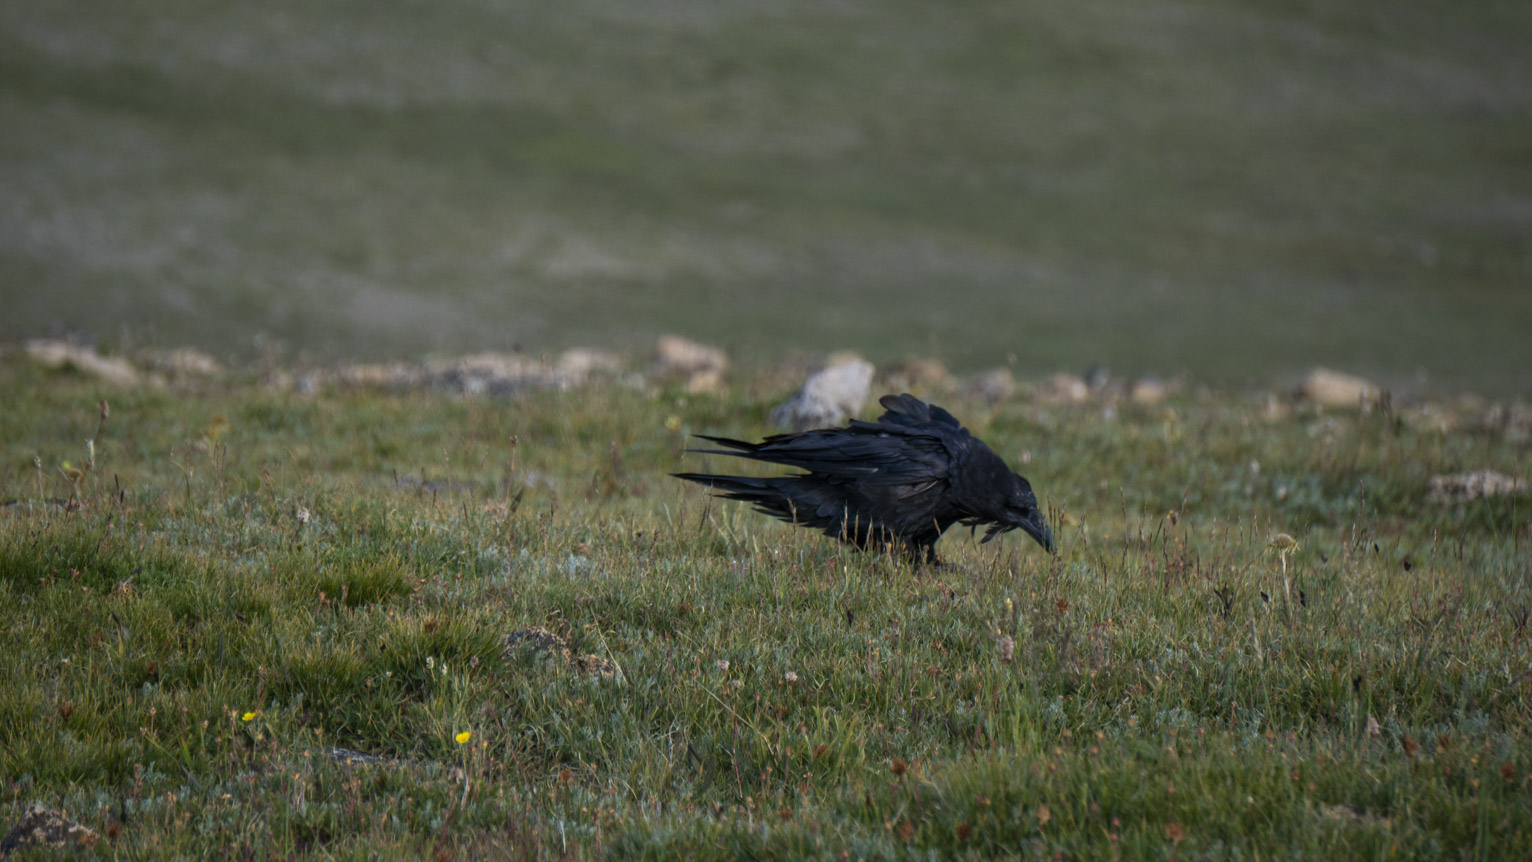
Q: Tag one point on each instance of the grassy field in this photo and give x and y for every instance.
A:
(181, 651)
(1235, 190)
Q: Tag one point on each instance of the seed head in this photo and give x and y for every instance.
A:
(1282, 543)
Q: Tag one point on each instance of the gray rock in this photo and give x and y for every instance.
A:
(41, 827)
(828, 397)
(541, 641)
(1097, 376)
(351, 757)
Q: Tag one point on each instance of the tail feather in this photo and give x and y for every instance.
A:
(800, 500)
(787, 498)
(770, 496)
(737, 487)
(734, 446)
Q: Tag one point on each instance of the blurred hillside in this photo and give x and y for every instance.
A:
(1235, 190)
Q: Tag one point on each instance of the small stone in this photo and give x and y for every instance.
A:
(704, 367)
(1148, 390)
(185, 362)
(579, 364)
(1431, 420)
(595, 666)
(1514, 421)
(708, 380)
(993, 386)
(1097, 376)
(1337, 389)
(1354, 814)
(352, 757)
(394, 375)
(1063, 389)
(537, 639)
(917, 372)
(279, 380)
(828, 397)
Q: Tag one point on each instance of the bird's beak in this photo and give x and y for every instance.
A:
(1037, 528)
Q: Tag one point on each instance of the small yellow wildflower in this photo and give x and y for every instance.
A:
(463, 737)
(249, 716)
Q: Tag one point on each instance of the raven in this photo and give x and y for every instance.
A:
(906, 477)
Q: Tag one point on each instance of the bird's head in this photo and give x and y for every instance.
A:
(1019, 510)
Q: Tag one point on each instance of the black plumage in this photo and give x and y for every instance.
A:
(903, 479)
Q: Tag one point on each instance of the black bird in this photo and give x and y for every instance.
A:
(904, 478)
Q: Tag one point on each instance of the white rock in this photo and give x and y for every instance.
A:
(828, 397)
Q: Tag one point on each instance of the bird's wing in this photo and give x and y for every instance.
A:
(908, 451)
(907, 411)
(867, 457)
(848, 453)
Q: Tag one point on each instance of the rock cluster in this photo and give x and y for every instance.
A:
(52, 353)
(829, 390)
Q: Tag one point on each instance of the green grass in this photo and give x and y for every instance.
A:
(1165, 696)
(1235, 190)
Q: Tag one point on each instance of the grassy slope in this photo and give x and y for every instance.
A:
(1225, 188)
(1162, 687)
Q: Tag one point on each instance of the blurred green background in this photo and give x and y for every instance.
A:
(1231, 190)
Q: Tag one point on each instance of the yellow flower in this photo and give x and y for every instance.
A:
(249, 716)
(463, 737)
